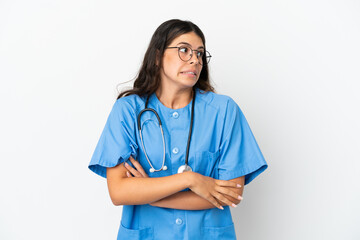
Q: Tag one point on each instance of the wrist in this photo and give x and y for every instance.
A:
(189, 179)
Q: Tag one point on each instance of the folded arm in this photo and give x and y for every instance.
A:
(204, 195)
(189, 200)
(137, 191)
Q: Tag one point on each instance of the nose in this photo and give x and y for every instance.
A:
(194, 56)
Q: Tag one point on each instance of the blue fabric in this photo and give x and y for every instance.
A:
(222, 147)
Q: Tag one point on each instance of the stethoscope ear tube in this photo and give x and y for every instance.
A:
(144, 110)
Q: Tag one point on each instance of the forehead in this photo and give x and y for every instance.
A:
(191, 38)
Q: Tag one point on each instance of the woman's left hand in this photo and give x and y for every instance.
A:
(138, 171)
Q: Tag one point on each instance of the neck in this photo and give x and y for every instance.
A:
(175, 98)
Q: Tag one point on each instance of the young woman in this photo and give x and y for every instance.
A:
(177, 166)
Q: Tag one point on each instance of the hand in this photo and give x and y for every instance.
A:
(138, 171)
(214, 190)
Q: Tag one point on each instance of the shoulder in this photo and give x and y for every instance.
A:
(131, 103)
(217, 101)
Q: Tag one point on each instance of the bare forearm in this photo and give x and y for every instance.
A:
(184, 200)
(206, 192)
(137, 191)
(191, 201)
(187, 201)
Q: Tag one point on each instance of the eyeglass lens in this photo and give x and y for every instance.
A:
(185, 54)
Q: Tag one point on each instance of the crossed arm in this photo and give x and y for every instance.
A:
(132, 186)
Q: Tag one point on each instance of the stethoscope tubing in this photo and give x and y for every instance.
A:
(142, 142)
(163, 167)
(190, 131)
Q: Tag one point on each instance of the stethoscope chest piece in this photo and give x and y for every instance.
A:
(184, 168)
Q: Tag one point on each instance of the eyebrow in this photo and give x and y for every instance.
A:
(189, 45)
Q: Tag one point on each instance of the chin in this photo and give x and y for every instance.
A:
(188, 83)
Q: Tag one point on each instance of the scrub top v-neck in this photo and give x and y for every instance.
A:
(222, 147)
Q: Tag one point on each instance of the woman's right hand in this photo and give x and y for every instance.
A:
(213, 190)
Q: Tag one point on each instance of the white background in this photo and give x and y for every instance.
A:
(292, 66)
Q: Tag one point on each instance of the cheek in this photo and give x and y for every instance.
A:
(171, 66)
(200, 69)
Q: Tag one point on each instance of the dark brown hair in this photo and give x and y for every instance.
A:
(148, 78)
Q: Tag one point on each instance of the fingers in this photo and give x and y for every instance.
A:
(138, 166)
(228, 192)
(128, 174)
(223, 199)
(137, 170)
(225, 183)
(133, 171)
(212, 200)
(223, 188)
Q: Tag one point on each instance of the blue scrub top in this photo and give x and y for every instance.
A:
(222, 146)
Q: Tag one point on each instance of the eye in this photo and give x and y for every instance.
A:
(184, 49)
(200, 54)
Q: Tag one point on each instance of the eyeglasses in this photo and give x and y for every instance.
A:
(185, 54)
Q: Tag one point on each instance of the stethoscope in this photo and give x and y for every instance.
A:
(183, 168)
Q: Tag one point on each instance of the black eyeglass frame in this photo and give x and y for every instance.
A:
(207, 55)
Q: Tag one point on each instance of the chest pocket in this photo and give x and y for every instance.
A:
(206, 163)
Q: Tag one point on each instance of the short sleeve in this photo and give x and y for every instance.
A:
(240, 154)
(116, 142)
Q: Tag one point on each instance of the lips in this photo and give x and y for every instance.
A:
(193, 72)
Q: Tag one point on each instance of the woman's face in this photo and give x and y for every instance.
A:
(176, 72)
